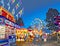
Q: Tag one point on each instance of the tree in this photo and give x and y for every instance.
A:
(50, 18)
(20, 22)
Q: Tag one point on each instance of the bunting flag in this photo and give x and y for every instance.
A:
(2, 2)
(17, 16)
(12, 1)
(8, 6)
(17, 5)
(21, 12)
(13, 6)
(13, 11)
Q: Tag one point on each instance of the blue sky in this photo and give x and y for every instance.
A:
(35, 9)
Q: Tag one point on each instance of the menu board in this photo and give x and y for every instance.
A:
(2, 32)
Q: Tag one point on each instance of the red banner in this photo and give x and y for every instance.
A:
(4, 14)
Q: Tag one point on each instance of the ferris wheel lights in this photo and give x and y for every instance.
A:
(37, 23)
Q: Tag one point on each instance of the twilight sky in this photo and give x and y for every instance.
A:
(33, 9)
(37, 9)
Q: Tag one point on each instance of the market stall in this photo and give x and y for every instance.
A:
(21, 34)
(3, 38)
(6, 20)
(58, 36)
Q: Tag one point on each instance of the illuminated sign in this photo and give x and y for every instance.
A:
(7, 22)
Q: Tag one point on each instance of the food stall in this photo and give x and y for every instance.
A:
(21, 34)
(17, 29)
(6, 20)
(7, 30)
(3, 33)
(31, 35)
(12, 35)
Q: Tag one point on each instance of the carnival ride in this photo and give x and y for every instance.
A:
(36, 31)
(37, 23)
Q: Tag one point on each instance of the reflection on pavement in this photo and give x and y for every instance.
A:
(26, 44)
(37, 44)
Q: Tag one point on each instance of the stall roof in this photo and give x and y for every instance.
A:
(7, 15)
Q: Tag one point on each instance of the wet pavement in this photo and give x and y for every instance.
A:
(27, 44)
(36, 44)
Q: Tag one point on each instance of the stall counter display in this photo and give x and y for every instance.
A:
(2, 32)
(21, 34)
(3, 39)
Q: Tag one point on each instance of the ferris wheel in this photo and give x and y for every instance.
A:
(37, 23)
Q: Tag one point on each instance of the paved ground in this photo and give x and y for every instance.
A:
(37, 44)
(49, 44)
(26, 44)
(34, 43)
